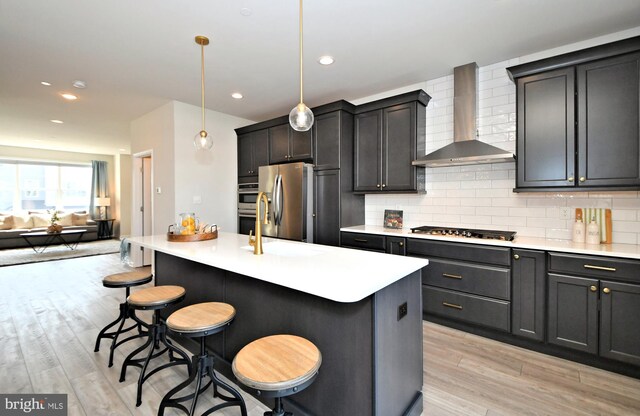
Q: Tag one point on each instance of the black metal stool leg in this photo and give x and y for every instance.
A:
(103, 332)
(128, 361)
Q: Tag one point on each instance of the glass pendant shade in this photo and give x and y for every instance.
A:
(203, 141)
(301, 117)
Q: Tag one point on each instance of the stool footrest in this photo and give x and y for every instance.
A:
(203, 366)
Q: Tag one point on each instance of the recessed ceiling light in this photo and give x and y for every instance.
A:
(79, 84)
(45, 83)
(57, 121)
(236, 95)
(245, 11)
(122, 150)
(326, 60)
(68, 96)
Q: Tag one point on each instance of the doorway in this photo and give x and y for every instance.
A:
(142, 209)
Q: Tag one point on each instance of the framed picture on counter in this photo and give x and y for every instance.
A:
(392, 218)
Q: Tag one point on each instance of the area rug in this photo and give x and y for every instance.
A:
(10, 257)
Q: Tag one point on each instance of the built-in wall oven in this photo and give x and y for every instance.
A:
(247, 196)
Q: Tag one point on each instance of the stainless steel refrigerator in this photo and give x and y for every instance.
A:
(289, 188)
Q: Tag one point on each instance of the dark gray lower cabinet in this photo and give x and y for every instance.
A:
(620, 321)
(528, 274)
(573, 312)
(396, 245)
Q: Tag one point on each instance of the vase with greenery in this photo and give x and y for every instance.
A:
(54, 227)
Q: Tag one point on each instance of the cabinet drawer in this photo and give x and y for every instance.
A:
(366, 241)
(464, 307)
(471, 278)
(459, 251)
(607, 267)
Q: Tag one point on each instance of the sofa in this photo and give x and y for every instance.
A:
(12, 224)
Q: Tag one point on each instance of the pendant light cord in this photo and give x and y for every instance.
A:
(301, 87)
(202, 73)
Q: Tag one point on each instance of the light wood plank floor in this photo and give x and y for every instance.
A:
(51, 312)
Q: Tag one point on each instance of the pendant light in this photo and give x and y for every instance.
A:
(301, 117)
(202, 140)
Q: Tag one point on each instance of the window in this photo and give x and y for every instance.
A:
(40, 186)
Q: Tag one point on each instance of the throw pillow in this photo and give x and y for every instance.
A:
(6, 222)
(41, 220)
(79, 219)
(65, 219)
(22, 221)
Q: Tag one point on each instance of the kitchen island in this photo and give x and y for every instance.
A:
(363, 310)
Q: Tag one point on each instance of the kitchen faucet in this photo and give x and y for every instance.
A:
(256, 241)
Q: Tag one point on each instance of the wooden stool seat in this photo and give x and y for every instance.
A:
(155, 296)
(277, 362)
(137, 277)
(201, 317)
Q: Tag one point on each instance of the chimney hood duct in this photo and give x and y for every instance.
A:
(465, 149)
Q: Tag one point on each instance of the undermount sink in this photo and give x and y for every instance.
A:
(286, 249)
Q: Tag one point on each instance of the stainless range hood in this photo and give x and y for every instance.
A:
(465, 149)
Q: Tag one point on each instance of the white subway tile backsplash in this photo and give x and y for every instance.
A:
(481, 196)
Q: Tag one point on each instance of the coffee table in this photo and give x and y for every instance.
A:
(40, 240)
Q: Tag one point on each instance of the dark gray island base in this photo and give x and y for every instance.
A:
(371, 355)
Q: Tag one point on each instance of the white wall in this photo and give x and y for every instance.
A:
(154, 132)
(209, 175)
(481, 196)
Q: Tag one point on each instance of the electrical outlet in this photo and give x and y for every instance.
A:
(158, 190)
(565, 213)
(402, 311)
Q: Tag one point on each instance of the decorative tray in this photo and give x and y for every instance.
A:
(208, 232)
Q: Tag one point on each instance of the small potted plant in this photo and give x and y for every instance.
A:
(54, 227)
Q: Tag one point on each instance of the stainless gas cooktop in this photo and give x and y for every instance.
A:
(465, 232)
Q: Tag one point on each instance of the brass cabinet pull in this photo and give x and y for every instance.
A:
(378, 185)
(451, 276)
(606, 290)
(593, 288)
(452, 305)
(401, 244)
(360, 240)
(582, 179)
(516, 256)
(384, 186)
(570, 178)
(606, 269)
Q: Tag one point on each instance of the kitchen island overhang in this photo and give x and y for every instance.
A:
(363, 310)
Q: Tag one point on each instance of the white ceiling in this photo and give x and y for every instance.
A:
(136, 55)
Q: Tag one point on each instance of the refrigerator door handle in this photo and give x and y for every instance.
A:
(280, 200)
(274, 200)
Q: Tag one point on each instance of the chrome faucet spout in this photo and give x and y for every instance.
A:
(257, 245)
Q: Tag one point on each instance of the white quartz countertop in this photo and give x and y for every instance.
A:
(338, 274)
(631, 251)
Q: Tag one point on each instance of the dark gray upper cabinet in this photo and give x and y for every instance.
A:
(546, 129)
(288, 145)
(253, 152)
(528, 274)
(368, 148)
(608, 122)
(578, 119)
(327, 128)
(389, 135)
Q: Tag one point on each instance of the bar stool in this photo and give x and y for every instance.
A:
(277, 366)
(125, 280)
(154, 298)
(199, 321)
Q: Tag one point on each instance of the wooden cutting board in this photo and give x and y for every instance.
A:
(603, 219)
